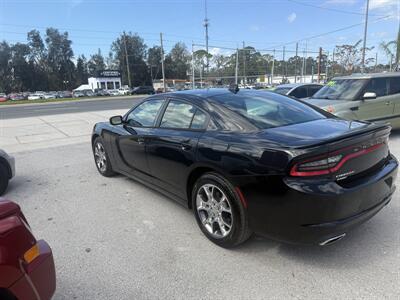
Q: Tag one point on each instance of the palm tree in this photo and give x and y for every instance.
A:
(390, 48)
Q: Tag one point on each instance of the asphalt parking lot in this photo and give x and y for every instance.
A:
(113, 238)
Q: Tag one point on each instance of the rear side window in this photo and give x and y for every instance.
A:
(379, 86)
(394, 85)
(199, 120)
(267, 110)
(145, 114)
(300, 92)
(178, 115)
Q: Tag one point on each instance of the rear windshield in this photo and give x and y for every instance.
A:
(267, 110)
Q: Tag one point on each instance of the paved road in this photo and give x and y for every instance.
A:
(34, 110)
(113, 238)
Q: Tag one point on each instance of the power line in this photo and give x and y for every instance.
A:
(327, 33)
(331, 9)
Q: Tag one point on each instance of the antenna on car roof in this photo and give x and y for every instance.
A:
(234, 88)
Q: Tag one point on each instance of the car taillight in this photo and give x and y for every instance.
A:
(331, 164)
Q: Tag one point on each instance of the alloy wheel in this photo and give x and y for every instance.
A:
(100, 157)
(214, 210)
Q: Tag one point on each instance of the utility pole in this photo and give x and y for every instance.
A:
(273, 68)
(284, 64)
(162, 62)
(237, 66)
(302, 66)
(391, 63)
(326, 67)
(365, 39)
(244, 66)
(376, 61)
(127, 62)
(319, 64)
(206, 24)
(312, 73)
(305, 59)
(193, 79)
(295, 66)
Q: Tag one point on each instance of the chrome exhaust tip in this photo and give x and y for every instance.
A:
(332, 240)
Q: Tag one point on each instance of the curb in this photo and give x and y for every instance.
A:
(73, 101)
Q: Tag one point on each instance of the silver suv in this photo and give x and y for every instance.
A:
(371, 97)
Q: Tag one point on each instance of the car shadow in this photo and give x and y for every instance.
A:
(395, 133)
(363, 245)
(15, 184)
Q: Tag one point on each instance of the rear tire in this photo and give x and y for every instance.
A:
(4, 178)
(219, 212)
(101, 158)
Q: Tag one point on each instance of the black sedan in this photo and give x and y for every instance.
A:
(251, 161)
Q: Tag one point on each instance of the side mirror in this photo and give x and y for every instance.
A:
(116, 120)
(369, 96)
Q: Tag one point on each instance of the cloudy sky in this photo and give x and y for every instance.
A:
(264, 24)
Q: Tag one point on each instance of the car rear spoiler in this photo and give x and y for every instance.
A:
(383, 129)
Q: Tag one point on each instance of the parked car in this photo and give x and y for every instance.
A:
(124, 91)
(3, 97)
(101, 92)
(371, 97)
(16, 97)
(64, 94)
(298, 90)
(78, 94)
(50, 95)
(36, 96)
(253, 161)
(148, 90)
(7, 170)
(89, 93)
(114, 93)
(26, 267)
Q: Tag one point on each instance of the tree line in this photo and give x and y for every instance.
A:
(48, 62)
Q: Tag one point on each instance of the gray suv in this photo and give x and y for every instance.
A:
(7, 170)
(371, 97)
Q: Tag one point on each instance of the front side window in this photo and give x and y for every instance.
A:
(341, 89)
(178, 115)
(267, 111)
(145, 114)
(379, 86)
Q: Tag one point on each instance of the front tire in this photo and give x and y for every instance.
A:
(219, 212)
(4, 178)
(102, 159)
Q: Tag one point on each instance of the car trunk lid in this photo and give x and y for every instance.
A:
(350, 153)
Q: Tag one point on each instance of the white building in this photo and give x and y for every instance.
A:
(106, 80)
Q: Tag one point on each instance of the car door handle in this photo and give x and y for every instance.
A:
(141, 141)
(354, 108)
(186, 146)
(388, 103)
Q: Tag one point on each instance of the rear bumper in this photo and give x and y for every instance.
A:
(39, 280)
(311, 211)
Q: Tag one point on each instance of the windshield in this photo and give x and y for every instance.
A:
(267, 111)
(282, 91)
(341, 89)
